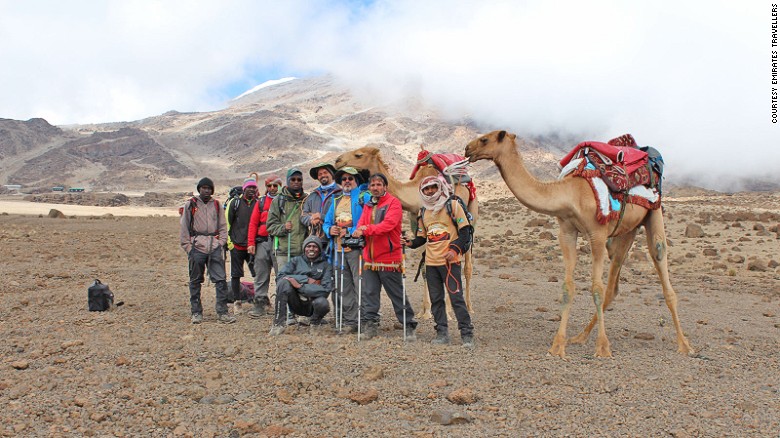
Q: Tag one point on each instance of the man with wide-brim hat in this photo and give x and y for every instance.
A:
(320, 199)
(340, 221)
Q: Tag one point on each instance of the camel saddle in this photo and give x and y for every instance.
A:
(445, 163)
(619, 162)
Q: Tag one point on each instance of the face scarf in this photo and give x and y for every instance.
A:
(436, 201)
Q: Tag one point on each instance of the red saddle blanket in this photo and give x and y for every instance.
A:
(621, 167)
(441, 162)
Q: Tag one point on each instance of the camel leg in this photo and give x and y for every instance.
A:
(618, 250)
(598, 246)
(468, 269)
(656, 243)
(425, 311)
(567, 237)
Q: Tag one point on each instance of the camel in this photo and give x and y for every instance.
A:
(572, 202)
(408, 193)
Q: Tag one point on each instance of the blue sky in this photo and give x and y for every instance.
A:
(692, 77)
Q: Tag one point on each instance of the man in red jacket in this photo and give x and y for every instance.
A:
(261, 245)
(380, 223)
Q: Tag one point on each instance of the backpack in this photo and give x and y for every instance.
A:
(469, 217)
(99, 297)
(235, 192)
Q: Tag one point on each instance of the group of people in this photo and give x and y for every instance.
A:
(342, 241)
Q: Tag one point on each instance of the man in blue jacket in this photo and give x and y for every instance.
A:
(340, 221)
(303, 284)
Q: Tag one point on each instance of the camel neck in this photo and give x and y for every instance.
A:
(539, 196)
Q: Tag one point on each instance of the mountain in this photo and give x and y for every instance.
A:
(269, 129)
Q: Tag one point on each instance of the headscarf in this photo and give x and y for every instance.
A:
(436, 201)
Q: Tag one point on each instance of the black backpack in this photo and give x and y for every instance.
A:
(99, 297)
(469, 217)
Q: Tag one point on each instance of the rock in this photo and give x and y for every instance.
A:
(710, 252)
(180, 430)
(276, 431)
(546, 235)
(284, 396)
(539, 222)
(73, 343)
(121, 360)
(245, 427)
(504, 276)
(736, 259)
(757, 266)
(374, 373)
(439, 383)
(364, 398)
(694, 231)
(462, 396)
(20, 364)
(644, 336)
(552, 279)
(56, 214)
(225, 399)
(773, 264)
(80, 401)
(542, 309)
(446, 418)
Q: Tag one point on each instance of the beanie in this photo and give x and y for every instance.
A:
(249, 182)
(273, 179)
(205, 182)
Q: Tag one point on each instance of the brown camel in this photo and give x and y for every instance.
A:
(572, 202)
(408, 193)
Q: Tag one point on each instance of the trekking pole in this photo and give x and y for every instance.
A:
(335, 265)
(341, 293)
(360, 289)
(403, 282)
(289, 312)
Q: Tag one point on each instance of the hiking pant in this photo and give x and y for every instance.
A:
(237, 259)
(437, 277)
(216, 267)
(349, 294)
(392, 282)
(287, 295)
(265, 260)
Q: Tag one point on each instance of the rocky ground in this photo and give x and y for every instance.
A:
(144, 370)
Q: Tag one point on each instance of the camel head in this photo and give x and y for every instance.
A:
(363, 158)
(488, 146)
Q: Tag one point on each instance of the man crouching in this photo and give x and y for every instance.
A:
(303, 284)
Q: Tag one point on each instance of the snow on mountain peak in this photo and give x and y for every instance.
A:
(265, 85)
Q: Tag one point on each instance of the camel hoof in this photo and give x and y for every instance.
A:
(423, 316)
(686, 349)
(603, 352)
(558, 350)
(579, 339)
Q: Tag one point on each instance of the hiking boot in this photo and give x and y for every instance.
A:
(197, 318)
(261, 307)
(348, 330)
(304, 320)
(411, 336)
(468, 341)
(442, 338)
(277, 330)
(371, 330)
(226, 318)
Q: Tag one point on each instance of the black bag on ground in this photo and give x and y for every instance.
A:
(99, 297)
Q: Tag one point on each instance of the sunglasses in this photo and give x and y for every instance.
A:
(268, 186)
(347, 178)
(296, 179)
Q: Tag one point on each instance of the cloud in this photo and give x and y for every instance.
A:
(690, 78)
